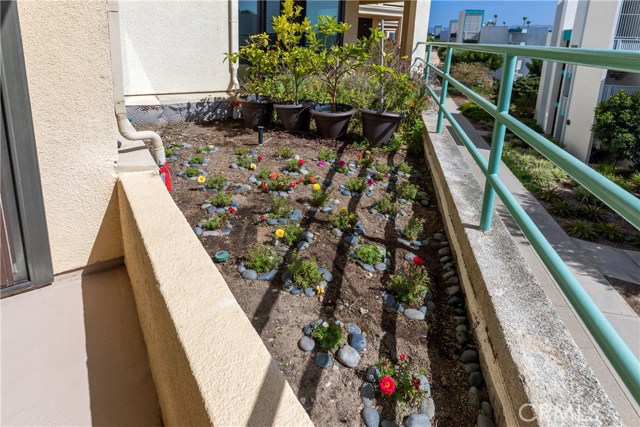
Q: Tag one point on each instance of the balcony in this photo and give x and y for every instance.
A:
(629, 44)
(610, 90)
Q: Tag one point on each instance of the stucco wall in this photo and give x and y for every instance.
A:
(174, 46)
(66, 50)
(209, 365)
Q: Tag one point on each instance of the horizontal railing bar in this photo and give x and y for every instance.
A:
(598, 58)
(617, 351)
(614, 196)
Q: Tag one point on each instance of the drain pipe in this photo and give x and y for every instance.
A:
(125, 127)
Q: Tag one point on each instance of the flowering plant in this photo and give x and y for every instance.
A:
(341, 166)
(401, 381)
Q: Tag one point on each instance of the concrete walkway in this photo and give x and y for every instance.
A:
(589, 262)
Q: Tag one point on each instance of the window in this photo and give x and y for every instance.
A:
(25, 257)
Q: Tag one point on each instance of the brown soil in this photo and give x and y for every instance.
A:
(330, 396)
(629, 291)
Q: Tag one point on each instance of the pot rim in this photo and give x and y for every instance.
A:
(339, 114)
(389, 114)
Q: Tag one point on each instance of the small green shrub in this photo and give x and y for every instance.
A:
(550, 194)
(341, 166)
(593, 213)
(413, 230)
(196, 160)
(532, 170)
(610, 231)
(168, 152)
(220, 199)
(369, 254)
(407, 191)
(215, 222)
(320, 197)
(405, 168)
(262, 258)
(305, 273)
(241, 151)
(582, 230)
(278, 208)
(205, 149)
(585, 196)
(634, 182)
(216, 181)
(356, 185)
(263, 175)
(563, 209)
(635, 239)
(285, 153)
(474, 112)
(382, 168)
(343, 220)
(293, 165)
(245, 161)
(329, 336)
(326, 155)
(386, 205)
(191, 172)
(406, 376)
(292, 233)
(409, 284)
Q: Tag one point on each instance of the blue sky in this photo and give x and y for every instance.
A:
(539, 12)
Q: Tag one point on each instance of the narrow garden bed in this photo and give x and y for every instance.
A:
(319, 263)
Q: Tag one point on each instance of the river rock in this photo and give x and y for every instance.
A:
(324, 360)
(469, 356)
(358, 342)
(414, 314)
(417, 420)
(249, 274)
(348, 356)
(367, 394)
(371, 417)
(306, 344)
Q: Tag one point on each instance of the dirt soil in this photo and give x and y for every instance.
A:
(629, 291)
(331, 396)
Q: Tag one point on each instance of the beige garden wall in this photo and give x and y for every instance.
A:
(66, 51)
(174, 47)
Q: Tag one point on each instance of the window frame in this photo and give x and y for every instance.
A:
(20, 141)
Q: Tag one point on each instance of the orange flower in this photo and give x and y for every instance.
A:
(312, 180)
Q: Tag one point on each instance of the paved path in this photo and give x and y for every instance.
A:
(588, 262)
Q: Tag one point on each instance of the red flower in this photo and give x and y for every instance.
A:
(359, 155)
(232, 209)
(273, 175)
(416, 383)
(293, 184)
(265, 185)
(387, 385)
(259, 158)
(301, 162)
(418, 260)
(263, 217)
(385, 363)
(237, 103)
(403, 357)
(312, 180)
(301, 179)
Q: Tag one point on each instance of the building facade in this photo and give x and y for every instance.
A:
(569, 94)
(469, 26)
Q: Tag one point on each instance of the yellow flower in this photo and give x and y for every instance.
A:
(343, 209)
(316, 187)
(201, 179)
(252, 166)
(367, 152)
(319, 290)
(279, 233)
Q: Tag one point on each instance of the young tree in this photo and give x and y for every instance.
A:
(524, 20)
(617, 126)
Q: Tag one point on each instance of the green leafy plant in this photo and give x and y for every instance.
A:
(191, 172)
(401, 381)
(524, 95)
(474, 75)
(196, 160)
(369, 254)
(610, 231)
(586, 197)
(617, 124)
(262, 258)
(305, 273)
(582, 230)
(276, 182)
(278, 208)
(386, 205)
(246, 160)
(320, 197)
(356, 185)
(329, 336)
(344, 220)
(414, 228)
(409, 284)
(405, 168)
(534, 171)
(593, 213)
(407, 191)
(292, 233)
(473, 111)
(263, 175)
(205, 149)
(285, 153)
(563, 209)
(382, 168)
(550, 194)
(341, 166)
(241, 151)
(293, 165)
(215, 222)
(326, 155)
(168, 152)
(216, 181)
(263, 65)
(220, 199)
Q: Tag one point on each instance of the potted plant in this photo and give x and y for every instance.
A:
(262, 60)
(333, 63)
(297, 66)
(379, 124)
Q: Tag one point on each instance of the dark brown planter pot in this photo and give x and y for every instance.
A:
(378, 128)
(332, 125)
(295, 117)
(256, 113)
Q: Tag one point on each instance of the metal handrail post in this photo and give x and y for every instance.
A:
(497, 140)
(428, 62)
(443, 92)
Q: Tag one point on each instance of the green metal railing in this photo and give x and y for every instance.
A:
(621, 201)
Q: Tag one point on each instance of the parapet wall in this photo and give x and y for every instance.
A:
(535, 372)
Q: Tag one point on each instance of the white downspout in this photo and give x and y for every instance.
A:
(234, 42)
(124, 126)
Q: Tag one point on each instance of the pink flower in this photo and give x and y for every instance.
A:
(402, 357)
(387, 385)
(293, 184)
(370, 181)
(341, 163)
(320, 163)
(263, 217)
(385, 363)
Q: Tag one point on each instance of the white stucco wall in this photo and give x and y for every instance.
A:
(594, 29)
(66, 51)
(174, 47)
